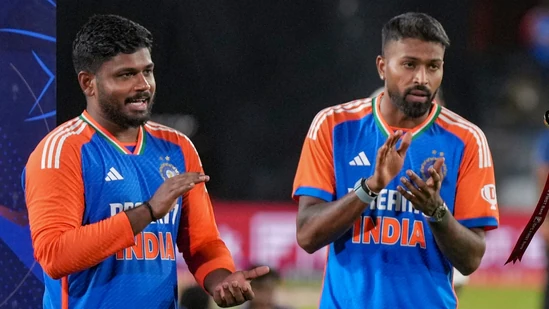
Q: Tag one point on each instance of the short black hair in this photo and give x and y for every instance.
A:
(105, 36)
(416, 26)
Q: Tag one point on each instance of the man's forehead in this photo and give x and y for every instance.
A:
(414, 48)
(140, 58)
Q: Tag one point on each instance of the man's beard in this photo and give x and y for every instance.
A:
(112, 110)
(412, 109)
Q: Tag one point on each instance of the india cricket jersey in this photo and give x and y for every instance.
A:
(79, 182)
(389, 258)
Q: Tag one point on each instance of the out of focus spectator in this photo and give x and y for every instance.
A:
(265, 289)
(194, 297)
(535, 33)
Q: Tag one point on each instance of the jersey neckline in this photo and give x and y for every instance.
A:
(387, 130)
(141, 136)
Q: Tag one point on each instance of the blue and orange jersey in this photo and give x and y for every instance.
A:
(79, 181)
(389, 257)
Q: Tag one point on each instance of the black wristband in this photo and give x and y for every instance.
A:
(149, 207)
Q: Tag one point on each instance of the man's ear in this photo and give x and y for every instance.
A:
(87, 83)
(380, 64)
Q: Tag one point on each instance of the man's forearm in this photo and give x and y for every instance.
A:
(321, 224)
(139, 218)
(462, 246)
(63, 252)
(214, 278)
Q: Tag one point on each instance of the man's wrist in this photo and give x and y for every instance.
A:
(214, 278)
(374, 185)
(438, 215)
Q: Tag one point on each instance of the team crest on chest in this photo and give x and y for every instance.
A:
(430, 162)
(167, 170)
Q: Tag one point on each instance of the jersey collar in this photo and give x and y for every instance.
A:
(141, 136)
(387, 130)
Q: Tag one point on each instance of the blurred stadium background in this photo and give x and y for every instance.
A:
(244, 80)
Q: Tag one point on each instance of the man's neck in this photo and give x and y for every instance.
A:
(394, 117)
(122, 134)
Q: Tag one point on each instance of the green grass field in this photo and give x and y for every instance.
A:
(499, 298)
(304, 295)
(483, 298)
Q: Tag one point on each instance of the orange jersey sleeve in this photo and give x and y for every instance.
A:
(198, 237)
(55, 201)
(476, 200)
(315, 171)
(315, 174)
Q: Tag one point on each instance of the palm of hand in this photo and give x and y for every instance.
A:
(237, 276)
(390, 165)
(389, 161)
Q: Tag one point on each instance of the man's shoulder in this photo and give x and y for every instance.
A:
(167, 133)
(72, 133)
(348, 109)
(61, 143)
(461, 127)
(336, 114)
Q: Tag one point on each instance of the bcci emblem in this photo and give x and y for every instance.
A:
(167, 170)
(430, 162)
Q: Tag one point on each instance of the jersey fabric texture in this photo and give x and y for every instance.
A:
(79, 181)
(389, 258)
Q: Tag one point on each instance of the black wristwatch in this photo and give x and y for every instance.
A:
(438, 214)
(363, 192)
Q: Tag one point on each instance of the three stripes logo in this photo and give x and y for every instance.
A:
(113, 175)
(360, 160)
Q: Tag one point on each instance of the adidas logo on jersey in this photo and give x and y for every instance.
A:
(113, 175)
(360, 160)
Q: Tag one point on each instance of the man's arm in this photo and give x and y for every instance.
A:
(462, 246)
(320, 223)
(55, 202)
(460, 236)
(206, 255)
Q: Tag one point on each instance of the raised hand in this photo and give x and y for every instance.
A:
(424, 195)
(235, 289)
(389, 160)
(165, 196)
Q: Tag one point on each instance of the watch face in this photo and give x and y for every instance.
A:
(440, 212)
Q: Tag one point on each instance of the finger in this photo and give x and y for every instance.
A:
(381, 154)
(438, 164)
(434, 175)
(237, 293)
(416, 180)
(407, 195)
(218, 296)
(396, 138)
(389, 140)
(435, 180)
(256, 272)
(405, 144)
(179, 189)
(411, 187)
(247, 291)
(228, 295)
(196, 177)
(191, 177)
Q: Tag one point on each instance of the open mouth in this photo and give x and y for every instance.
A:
(139, 104)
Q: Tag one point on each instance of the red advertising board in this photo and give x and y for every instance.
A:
(265, 233)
